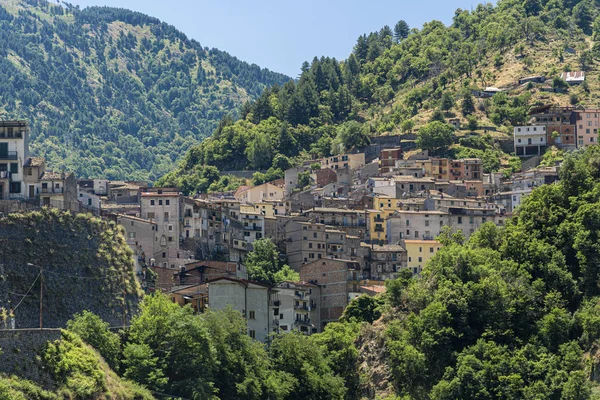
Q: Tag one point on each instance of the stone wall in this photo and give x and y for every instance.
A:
(20, 352)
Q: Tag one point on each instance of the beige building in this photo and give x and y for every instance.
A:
(162, 208)
(261, 193)
(141, 238)
(305, 243)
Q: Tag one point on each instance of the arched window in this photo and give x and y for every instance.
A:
(163, 241)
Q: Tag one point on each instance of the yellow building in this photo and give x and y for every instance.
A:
(383, 207)
(419, 252)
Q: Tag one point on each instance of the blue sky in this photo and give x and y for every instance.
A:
(280, 34)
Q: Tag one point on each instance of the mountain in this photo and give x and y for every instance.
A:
(398, 80)
(114, 93)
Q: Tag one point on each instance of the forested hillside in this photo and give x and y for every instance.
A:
(401, 80)
(512, 313)
(114, 93)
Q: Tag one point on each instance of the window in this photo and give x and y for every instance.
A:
(45, 185)
(460, 220)
(131, 235)
(314, 234)
(89, 202)
(14, 168)
(164, 256)
(167, 202)
(150, 215)
(407, 222)
(166, 216)
(310, 245)
(431, 249)
(420, 259)
(426, 222)
(160, 202)
(163, 241)
(252, 315)
(170, 238)
(151, 202)
(311, 255)
(416, 234)
(420, 249)
(409, 259)
(252, 333)
(170, 227)
(15, 187)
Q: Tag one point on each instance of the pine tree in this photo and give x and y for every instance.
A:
(401, 31)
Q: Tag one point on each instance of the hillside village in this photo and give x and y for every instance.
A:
(345, 223)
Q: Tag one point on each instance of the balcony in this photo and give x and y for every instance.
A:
(301, 307)
(9, 155)
(379, 219)
(5, 175)
(275, 302)
(253, 228)
(305, 322)
(379, 229)
(52, 190)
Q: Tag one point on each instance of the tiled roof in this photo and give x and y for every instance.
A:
(388, 247)
(52, 176)
(35, 162)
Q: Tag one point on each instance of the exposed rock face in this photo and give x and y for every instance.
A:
(86, 264)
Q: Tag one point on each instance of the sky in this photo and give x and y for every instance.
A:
(281, 34)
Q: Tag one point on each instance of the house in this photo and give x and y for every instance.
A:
(386, 261)
(534, 79)
(194, 295)
(587, 121)
(141, 239)
(251, 299)
(466, 168)
(573, 78)
(296, 307)
(351, 161)
(530, 140)
(260, 193)
(339, 282)
(388, 158)
(14, 153)
(455, 123)
(305, 243)
(161, 206)
(419, 252)
(561, 120)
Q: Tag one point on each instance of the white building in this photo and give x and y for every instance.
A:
(251, 299)
(14, 152)
(162, 207)
(530, 140)
(296, 307)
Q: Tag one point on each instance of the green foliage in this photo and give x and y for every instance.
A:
(82, 374)
(169, 348)
(435, 136)
(264, 265)
(115, 93)
(296, 354)
(89, 327)
(13, 388)
(363, 309)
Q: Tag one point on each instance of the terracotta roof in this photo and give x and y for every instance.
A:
(52, 176)
(374, 288)
(35, 162)
(155, 194)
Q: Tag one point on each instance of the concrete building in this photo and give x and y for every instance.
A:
(257, 194)
(339, 281)
(386, 261)
(296, 307)
(388, 158)
(162, 208)
(530, 140)
(251, 299)
(419, 252)
(466, 169)
(305, 243)
(587, 121)
(14, 153)
(141, 238)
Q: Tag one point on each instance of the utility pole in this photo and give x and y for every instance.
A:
(41, 296)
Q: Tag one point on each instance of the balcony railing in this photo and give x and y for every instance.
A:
(301, 307)
(379, 229)
(379, 219)
(9, 155)
(302, 322)
(5, 175)
(52, 190)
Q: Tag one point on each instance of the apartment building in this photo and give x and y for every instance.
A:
(141, 238)
(14, 153)
(419, 252)
(388, 158)
(587, 121)
(251, 299)
(530, 140)
(386, 261)
(466, 169)
(305, 243)
(296, 307)
(339, 281)
(257, 194)
(161, 206)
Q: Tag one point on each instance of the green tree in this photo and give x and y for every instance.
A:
(296, 354)
(263, 263)
(435, 136)
(447, 101)
(407, 126)
(350, 135)
(467, 105)
(401, 30)
(95, 332)
(364, 308)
